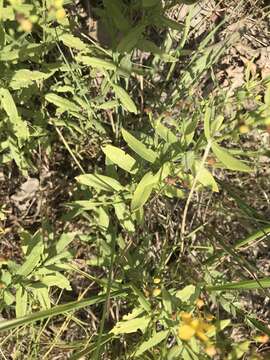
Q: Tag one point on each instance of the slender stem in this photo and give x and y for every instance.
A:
(183, 224)
(106, 304)
(69, 150)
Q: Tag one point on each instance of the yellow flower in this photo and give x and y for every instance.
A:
(156, 292)
(186, 317)
(60, 14)
(26, 25)
(193, 327)
(210, 350)
(157, 280)
(186, 332)
(244, 129)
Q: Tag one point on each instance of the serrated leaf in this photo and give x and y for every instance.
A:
(139, 147)
(153, 341)
(100, 182)
(228, 160)
(131, 326)
(120, 158)
(73, 42)
(62, 103)
(97, 62)
(143, 191)
(125, 99)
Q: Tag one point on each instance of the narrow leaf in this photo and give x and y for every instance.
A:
(228, 160)
(56, 310)
(153, 341)
(62, 103)
(242, 285)
(143, 191)
(120, 158)
(139, 147)
(125, 99)
(100, 182)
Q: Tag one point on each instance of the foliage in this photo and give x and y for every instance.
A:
(166, 142)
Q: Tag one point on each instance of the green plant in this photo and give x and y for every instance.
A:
(151, 155)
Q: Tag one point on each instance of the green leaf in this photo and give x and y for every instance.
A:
(63, 241)
(143, 191)
(19, 126)
(100, 182)
(57, 279)
(2, 36)
(167, 22)
(205, 177)
(228, 160)
(131, 326)
(264, 232)
(153, 341)
(130, 40)
(175, 352)
(62, 103)
(120, 158)
(57, 310)
(8, 297)
(165, 133)
(220, 325)
(139, 147)
(32, 260)
(125, 99)
(97, 62)
(73, 42)
(185, 294)
(141, 298)
(149, 46)
(21, 302)
(242, 285)
(115, 11)
(24, 78)
(42, 295)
